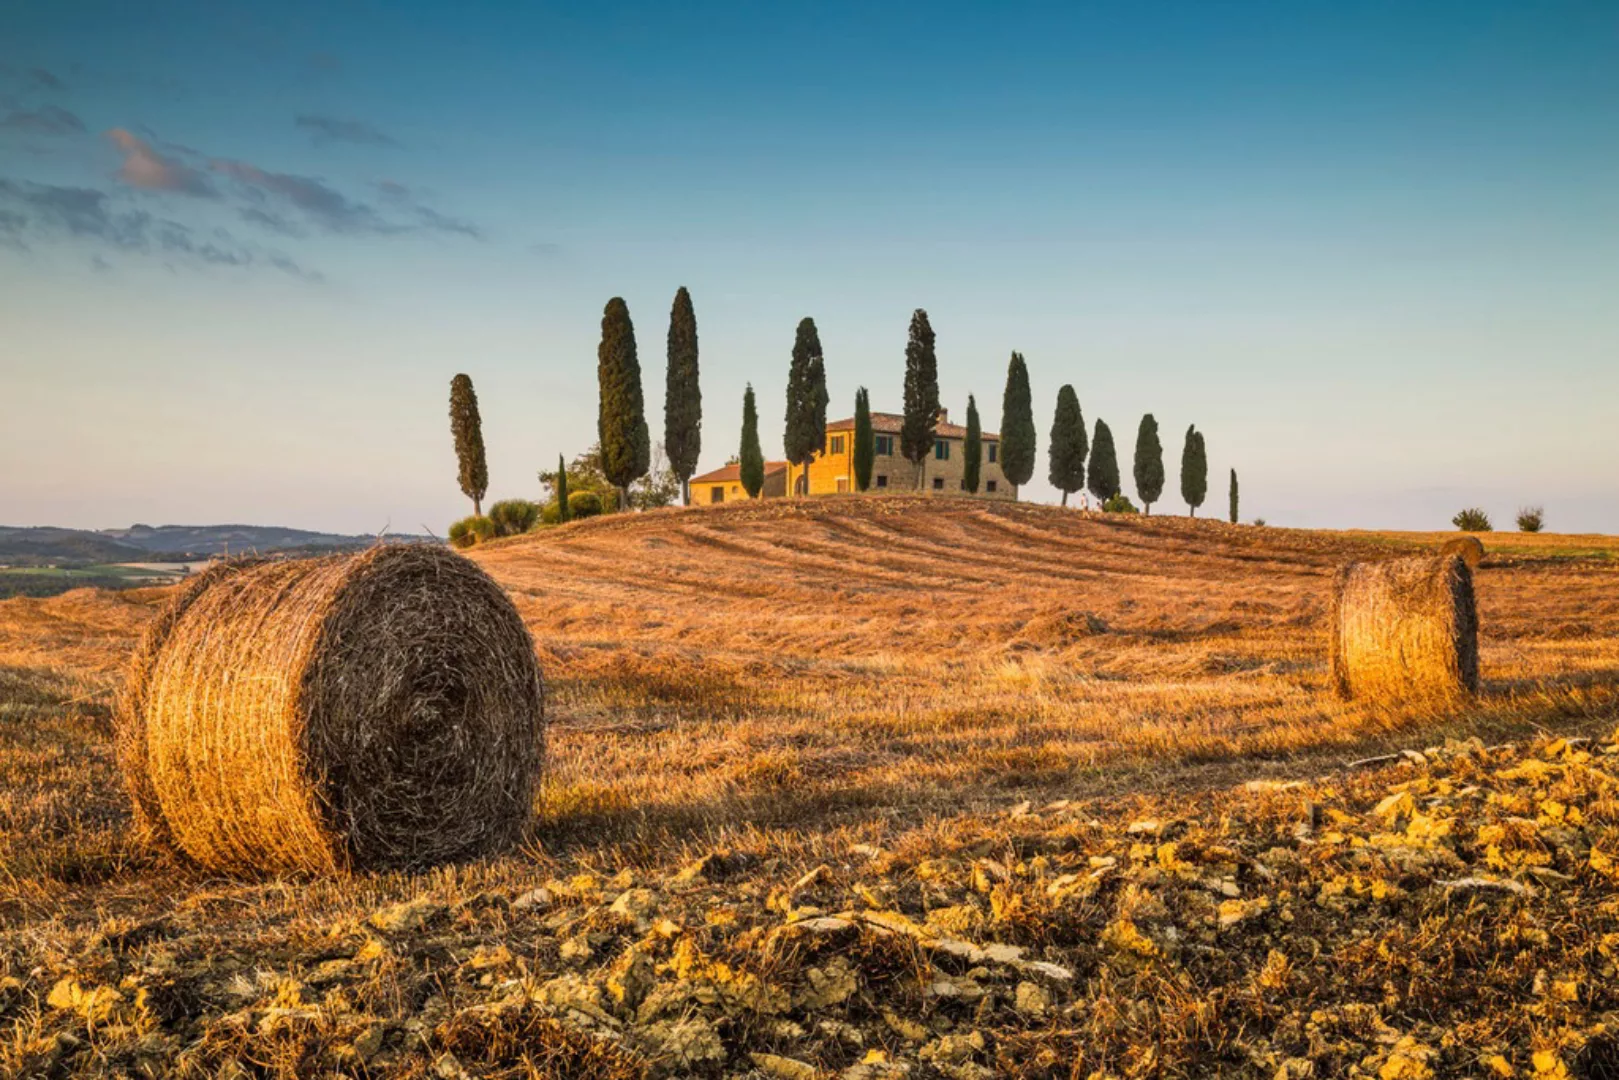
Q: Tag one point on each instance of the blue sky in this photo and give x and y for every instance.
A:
(1371, 250)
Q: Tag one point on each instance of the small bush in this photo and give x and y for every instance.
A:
(513, 517)
(1119, 504)
(472, 530)
(550, 514)
(1531, 519)
(583, 504)
(1472, 520)
(1259, 522)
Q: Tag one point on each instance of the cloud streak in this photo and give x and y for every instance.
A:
(47, 120)
(330, 129)
(324, 205)
(146, 168)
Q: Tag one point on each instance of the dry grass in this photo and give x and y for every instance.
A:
(803, 683)
(1403, 633)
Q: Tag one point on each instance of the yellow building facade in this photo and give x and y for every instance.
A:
(942, 473)
(725, 484)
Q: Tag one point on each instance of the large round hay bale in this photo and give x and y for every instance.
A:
(1405, 631)
(1470, 548)
(356, 711)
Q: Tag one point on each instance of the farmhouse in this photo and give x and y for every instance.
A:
(832, 469)
(725, 484)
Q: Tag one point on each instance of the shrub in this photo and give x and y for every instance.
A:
(1260, 522)
(1119, 504)
(583, 504)
(1472, 520)
(513, 517)
(472, 530)
(551, 514)
(1531, 519)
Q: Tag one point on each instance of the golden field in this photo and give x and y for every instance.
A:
(820, 768)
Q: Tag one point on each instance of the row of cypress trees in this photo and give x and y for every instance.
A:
(1070, 449)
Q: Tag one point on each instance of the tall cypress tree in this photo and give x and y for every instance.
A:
(865, 440)
(467, 428)
(1067, 450)
(626, 446)
(805, 433)
(683, 397)
(972, 449)
(1194, 470)
(751, 458)
(1233, 496)
(1149, 462)
(564, 512)
(921, 394)
(1017, 425)
(1104, 480)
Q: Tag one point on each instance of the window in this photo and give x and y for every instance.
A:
(843, 483)
(717, 495)
(885, 445)
(834, 444)
(994, 452)
(990, 486)
(941, 450)
(882, 481)
(938, 483)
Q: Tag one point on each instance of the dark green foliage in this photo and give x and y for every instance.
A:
(1119, 504)
(1531, 519)
(513, 517)
(750, 457)
(1473, 519)
(1194, 470)
(1104, 478)
(1149, 468)
(972, 449)
(660, 486)
(471, 530)
(626, 447)
(806, 397)
(921, 394)
(865, 440)
(583, 504)
(584, 473)
(562, 491)
(1068, 449)
(467, 428)
(1017, 425)
(683, 398)
(1233, 496)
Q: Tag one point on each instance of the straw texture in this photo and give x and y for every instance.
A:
(374, 710)
(1470, 548)
(1405, 632)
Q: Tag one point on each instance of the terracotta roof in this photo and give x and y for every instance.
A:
(887, 423)
(727, 473)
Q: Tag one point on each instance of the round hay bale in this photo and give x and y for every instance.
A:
(1405, 631)
(1469, 548)
(355, 711)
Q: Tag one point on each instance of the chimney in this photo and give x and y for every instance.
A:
(943, 417)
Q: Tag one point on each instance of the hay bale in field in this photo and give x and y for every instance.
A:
(1405, 631)
(1469, 548)
(375, 710)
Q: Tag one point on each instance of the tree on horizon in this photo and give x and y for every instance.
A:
(750, 458)
(683, 396)
(1149, 465)
(1017, 425)
(972, 449)
(1104, 478)
(921, 394)
(1194, 470)
(1233, 496)
(865, 440)
(805, 432)
(466, 426)
(626, 446)
(1067, 450)
(563, 514)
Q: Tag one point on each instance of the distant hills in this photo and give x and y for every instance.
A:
(50, 546)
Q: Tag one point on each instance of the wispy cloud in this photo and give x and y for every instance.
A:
(43, 78)
(329, 129)
(47, 120)
(321, 203)
(144, 167)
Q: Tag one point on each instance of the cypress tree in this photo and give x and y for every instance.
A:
(626, 447)
(563, 513)
(1194, 470)
(972, 449)
(1104, 464)
(865, 440)
(806, 399)
(1233, 496)
(921, 394)
(1067, 450)
(751, 458)
(467, 428)
(1017, 425)
(683, 397)
(1149, 463)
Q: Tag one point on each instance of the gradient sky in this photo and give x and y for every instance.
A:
(1371, 249)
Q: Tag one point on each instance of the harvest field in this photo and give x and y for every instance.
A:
(882, 787)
